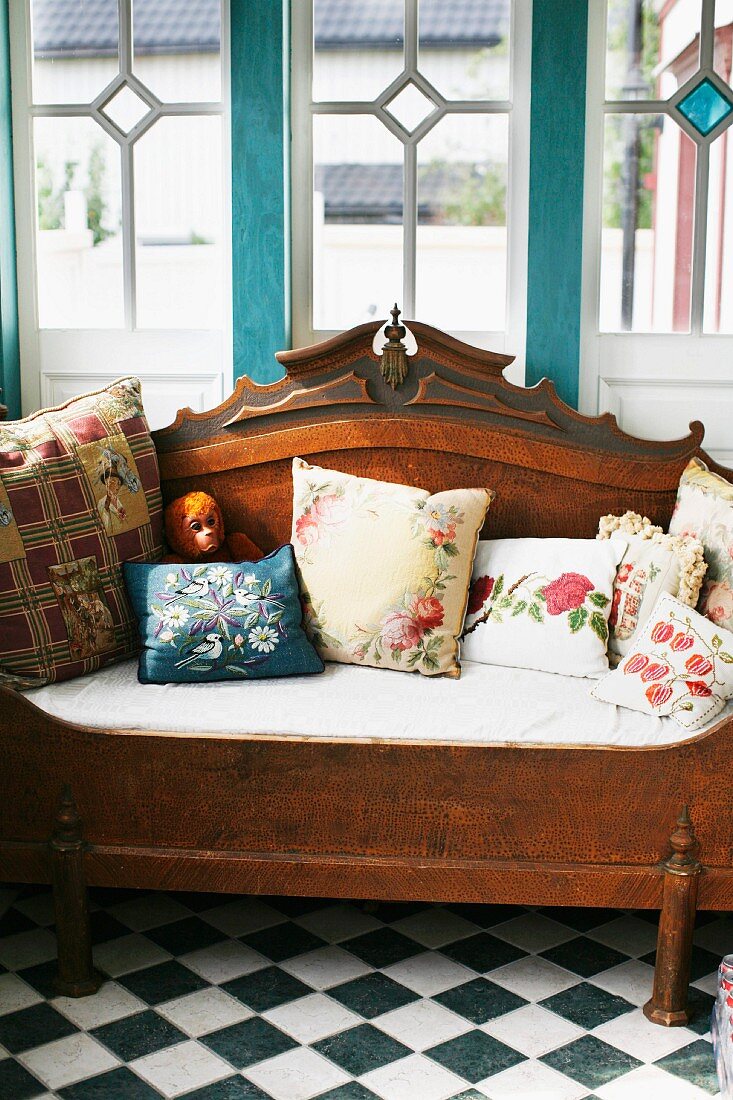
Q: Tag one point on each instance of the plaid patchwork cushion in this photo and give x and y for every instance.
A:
(79, 494)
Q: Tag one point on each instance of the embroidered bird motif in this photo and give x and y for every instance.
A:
(193, 590)
(209, 649)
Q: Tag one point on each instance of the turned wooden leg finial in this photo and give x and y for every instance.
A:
(668, 1004)
(76, 976)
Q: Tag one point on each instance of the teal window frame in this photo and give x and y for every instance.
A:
(9, 342)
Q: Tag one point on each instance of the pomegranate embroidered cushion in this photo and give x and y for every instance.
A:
(681, 665)
(79, 494)
(704, 509)
(653, 563)
(384, 569)
(542, 603)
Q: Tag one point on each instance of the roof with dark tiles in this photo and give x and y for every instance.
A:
(89, 27)
(365, 192)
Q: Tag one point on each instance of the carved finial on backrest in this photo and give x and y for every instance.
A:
(684, 845)
(394, 352)
(67, 824)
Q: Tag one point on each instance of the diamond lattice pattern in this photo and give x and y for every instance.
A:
(705, 106)
(126, 109)
(410, 107)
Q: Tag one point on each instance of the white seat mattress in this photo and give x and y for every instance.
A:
(488, 704)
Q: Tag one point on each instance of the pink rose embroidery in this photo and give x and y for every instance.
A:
(566, 593)
(331, 509)
(717, 602)
(439, 537)
(306, 529)
(401, 631)
(428, 611)
(481, 589)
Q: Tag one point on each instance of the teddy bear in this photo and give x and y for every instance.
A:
(194, 531)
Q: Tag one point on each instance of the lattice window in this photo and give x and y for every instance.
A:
(410, 163)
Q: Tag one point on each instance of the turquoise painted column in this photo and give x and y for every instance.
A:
(260, 78)
(9, 348)
(557, 151)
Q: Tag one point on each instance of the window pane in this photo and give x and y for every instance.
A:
(723, 52)
(74, 49)
(79, 246)
(178, 55)
(462, 235)
(719, 258)
(468, 57)
(358, 48)
(633, 43)
(357, 220)
(178, 223)
(648, 214)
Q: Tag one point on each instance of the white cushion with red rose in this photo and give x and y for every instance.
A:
(681, 665)
(542, 603)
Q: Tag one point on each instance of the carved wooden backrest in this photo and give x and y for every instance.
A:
(453, 420)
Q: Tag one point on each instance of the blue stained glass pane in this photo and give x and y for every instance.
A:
(704, 107)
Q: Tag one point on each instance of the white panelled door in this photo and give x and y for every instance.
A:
(657, 331)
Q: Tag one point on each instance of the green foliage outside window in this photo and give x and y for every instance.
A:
(464, 194)
(51, 197)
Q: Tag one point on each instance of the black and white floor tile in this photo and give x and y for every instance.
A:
(220, 998)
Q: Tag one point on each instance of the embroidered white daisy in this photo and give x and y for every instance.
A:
(244, 597)
(263, 638)
(219, 576)
(176, 615)
(171, 581)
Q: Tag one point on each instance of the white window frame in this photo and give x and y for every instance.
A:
(621, 370)
(513, 338)
(177, 366)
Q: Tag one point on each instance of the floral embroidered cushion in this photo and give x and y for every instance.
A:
(200, 623)
(79, 494)
(681, 665)
(704, 509)
(542, 603)
(384, 568)
(653, 563)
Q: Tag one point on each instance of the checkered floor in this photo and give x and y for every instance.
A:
(220, 998)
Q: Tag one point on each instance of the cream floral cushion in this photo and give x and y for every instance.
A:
(542, 603)
(704, 509)
(384, 568)
(681, 665)
(653, 563)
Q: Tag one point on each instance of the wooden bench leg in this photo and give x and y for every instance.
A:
(76, 976)
(668, 1004)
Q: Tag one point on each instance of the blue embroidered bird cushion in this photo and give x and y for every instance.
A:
(217, 621)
